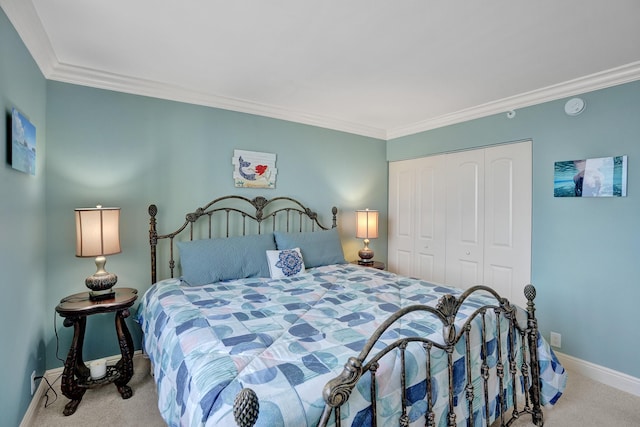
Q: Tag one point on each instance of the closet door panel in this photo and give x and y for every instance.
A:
(402, 263)
(500, 278)
(508, 219)
(467, 274)
(499, 202)
(499, 224)
(426, 267)
(465, 218)
(401, 217)
(430, 239)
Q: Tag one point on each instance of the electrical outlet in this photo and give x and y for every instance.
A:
(556, 340)
(33, 382)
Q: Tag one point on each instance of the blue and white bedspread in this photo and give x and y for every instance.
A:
(286, 338)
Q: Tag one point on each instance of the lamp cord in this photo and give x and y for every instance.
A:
(42, 377)
(49, 388)
(55, 331)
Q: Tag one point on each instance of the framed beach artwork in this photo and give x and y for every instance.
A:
(599, 177)
(23, 143)
(254, 170)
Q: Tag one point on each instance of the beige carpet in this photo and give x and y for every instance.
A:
(103, 406)
(586, 403)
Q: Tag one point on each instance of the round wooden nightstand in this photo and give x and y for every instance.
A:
(76, 377)
(376, 264)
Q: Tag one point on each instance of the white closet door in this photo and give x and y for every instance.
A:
(417, 218)
(465, 218)
(430, 233)
(401, 217)
(507, 254)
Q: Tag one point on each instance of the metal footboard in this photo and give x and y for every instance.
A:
(522, 366)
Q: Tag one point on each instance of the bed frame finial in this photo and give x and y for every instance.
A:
(530, 292)
(334, 211)
(246, 408)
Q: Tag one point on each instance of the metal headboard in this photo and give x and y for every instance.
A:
(253, 215)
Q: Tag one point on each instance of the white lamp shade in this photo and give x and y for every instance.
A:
(366, 224)
(97, 231)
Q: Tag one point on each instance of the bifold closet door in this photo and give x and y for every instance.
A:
(401, 217)
(431, 210)
(465, 218)
(417, 210)
(489, 219)
(508, 195)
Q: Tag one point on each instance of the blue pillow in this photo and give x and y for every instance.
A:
(317, 247)
(211, 260)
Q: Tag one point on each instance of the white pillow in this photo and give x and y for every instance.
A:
(285, 263)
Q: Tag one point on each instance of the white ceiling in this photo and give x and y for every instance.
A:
(378, 68)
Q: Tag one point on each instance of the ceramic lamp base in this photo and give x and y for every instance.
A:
(366, 256)
(101, 285)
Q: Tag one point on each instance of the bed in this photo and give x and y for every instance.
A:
(266, 324)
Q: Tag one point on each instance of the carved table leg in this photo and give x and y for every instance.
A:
(125, 364)
(74, 366)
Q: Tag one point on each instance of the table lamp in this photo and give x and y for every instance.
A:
(97, 235)
(366, 228)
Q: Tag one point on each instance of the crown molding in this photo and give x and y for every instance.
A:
(99, 79)
(25, 19)
(613, 77)
(115, 82)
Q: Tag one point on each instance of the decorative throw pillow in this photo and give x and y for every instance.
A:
(285, 263)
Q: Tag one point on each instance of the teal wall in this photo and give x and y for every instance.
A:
(130, 151)
(22, 231)
(584, 251)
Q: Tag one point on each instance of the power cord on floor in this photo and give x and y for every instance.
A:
(50, 385)
(49, 388)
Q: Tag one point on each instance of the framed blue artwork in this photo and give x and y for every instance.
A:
(599, 177)
(23, 143)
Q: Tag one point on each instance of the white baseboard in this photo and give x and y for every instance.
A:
(607, 376)
(51, 375)
(27, 419)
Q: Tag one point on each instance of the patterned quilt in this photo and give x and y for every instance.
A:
(286, 338)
